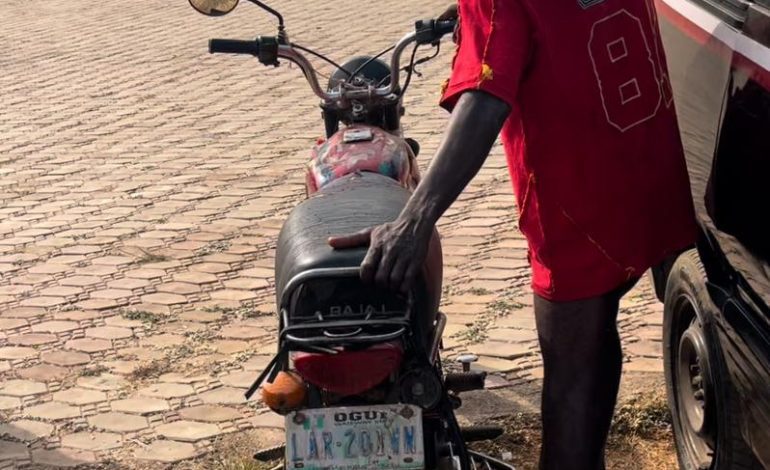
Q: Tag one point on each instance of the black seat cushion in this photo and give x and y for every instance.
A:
(347, 205)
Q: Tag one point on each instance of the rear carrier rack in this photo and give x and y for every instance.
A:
(325, 307)
(321, 323)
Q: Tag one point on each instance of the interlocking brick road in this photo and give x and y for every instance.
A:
(142, 185)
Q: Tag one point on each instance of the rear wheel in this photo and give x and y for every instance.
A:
(704, 414)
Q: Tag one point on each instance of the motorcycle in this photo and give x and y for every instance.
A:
(358, 373)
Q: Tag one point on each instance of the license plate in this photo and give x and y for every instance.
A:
(385, 437)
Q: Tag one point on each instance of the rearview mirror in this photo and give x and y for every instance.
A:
(214, 7)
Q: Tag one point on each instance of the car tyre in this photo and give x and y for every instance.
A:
(700, 396)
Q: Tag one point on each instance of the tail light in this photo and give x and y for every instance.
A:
(350, 372)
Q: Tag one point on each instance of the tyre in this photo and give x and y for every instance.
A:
(700, 396)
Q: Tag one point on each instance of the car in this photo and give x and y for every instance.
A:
(716, 338)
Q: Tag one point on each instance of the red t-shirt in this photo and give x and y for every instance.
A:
(593, 146)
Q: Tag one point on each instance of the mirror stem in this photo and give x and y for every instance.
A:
(281, 27)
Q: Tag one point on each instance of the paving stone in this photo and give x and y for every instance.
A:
(55, 326)
(65, 358)
(242, 379)
(262, 273)
(103, 382)
(9, 403)
(224, 396)
(164, 299)
(122, 322)
(140, 406)
(13, 451)
(111, 294)
(101, 304)
(96, 270)
(257, 363)
(122, 367)
(201, 316)
(80, 250)
(43, 373)
(62, 458)
(129, 284)
(210, 413)
(182, 288)
(79, 396)
(188, 431)
(76, 315)
(88, 345)
(118, 422)
(511, 335)
(61, 291)
(233, 295)
(49, 269)
(500, 350)
(176, 377)
(8, 324)
(195, 277)
(211, 268)
(242, 332)
(109, 332)
(93, 441)
(42, 301)
(26, 430)
(141, 353)
(22, 388)
(52, 411)
(113, 260)
(80, 281)
(145, 273)
(16, 352)
(167, 451)
(268, 420)
(24, 312)
(227, 346)
(31, 339)
(163, 341)
(167, 390)
(651, 349)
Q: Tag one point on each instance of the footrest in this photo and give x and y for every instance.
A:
(465, 381)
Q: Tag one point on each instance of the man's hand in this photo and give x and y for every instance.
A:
(397, 251)
(449, 14)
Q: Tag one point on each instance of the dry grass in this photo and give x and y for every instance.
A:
(640, 440)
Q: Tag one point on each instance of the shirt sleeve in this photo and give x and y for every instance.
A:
(494, 46)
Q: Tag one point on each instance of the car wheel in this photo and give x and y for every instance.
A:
(705, 417)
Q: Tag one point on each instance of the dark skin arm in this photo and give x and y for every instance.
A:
(397, 250)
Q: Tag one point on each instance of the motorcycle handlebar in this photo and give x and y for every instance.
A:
(233, 46)
(426, 32)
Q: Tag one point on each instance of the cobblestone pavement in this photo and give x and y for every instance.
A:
(142, 185)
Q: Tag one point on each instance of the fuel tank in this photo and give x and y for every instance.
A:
(361, 148)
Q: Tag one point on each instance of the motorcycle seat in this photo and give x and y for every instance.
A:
(345, 206)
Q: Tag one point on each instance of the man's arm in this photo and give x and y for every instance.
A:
(397, 250)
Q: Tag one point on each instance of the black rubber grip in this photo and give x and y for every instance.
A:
(443, 27)
(460, 382)
(481, 433)
(233, 46)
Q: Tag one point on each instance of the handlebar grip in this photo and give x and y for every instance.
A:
(233, 46)
(431, 31)
(443, 27)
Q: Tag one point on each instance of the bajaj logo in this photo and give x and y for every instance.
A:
(585, 4)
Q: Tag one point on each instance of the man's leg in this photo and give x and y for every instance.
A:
(582, 358)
